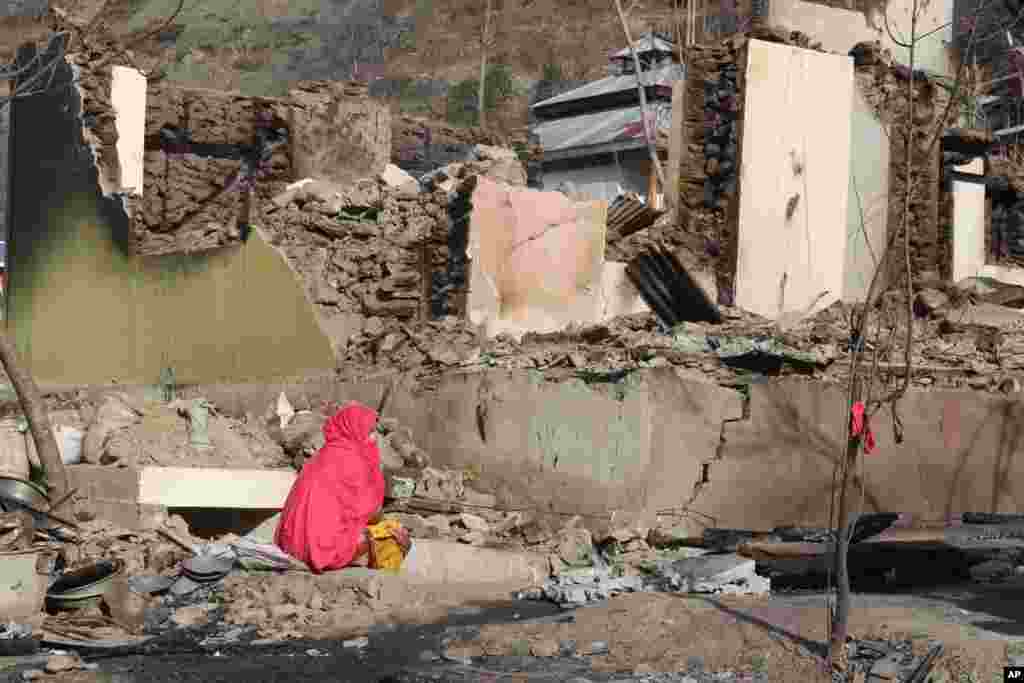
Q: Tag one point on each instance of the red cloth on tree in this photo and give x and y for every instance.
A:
(861, 428)
(336, 494)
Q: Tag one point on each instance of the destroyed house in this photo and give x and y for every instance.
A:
(593, 136)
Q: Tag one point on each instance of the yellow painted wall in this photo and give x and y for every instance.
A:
(83, 311)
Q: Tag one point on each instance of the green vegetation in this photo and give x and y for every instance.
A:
(225, 25)
(462, 97)
(552, 72)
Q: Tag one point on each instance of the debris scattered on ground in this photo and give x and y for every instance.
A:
(133, 433)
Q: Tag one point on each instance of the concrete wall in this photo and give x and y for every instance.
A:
(795, 178)
(572, 447)
(868, 199)
(838, 30)
(962, 453)
(85, 311)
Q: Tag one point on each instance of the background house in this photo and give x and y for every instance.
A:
(593, 136)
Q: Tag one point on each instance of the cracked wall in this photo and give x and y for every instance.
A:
(537, 259)
(961, 453)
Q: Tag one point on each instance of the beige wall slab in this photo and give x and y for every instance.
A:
(838, 29)
(195, 487)
(795, 179)
(128, 99)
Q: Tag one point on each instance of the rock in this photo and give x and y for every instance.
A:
(932, 300)
(303, 436)
(726, 573)
(447, 485)
(113, 415)
(439, 522)
(507, 525)
(474, 523)
(544, 648)
(474, 538)
(389, 459)
(576, 547)
(537, 531)
(481, 500)
(126, 606)
(59, 663)
(393, 176)
(598, 647)
(194, 615)
(887, 668)
(492, 153)
(624, 527)
(417, 459)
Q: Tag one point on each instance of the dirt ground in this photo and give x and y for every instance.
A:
(661, 632)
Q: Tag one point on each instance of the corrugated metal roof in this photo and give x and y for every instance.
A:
(600, 128)
(665, 75)
(645, 44)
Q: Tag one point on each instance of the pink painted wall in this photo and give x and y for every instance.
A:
(537, 260)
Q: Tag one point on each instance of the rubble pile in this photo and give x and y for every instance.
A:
(373, 254)
(421, 145)
(205, 152)
(128, 432)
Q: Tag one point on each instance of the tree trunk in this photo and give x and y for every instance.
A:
(841, 617)
(484, 41)
(38, 420)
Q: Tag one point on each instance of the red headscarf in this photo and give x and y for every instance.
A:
(336, 494)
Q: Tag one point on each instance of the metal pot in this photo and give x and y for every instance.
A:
(84, 586)
(24, 493)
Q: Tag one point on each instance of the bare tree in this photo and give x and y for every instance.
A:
(648, 123)
(865, 379)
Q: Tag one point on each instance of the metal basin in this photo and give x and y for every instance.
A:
(85, 586)
(24, 493)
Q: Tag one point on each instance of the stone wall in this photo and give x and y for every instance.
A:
(338, 133)
(212, 158)
(886, 88)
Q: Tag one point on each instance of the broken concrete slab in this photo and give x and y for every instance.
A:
(727, 574)
(579, 586)
(432, 561)
(135, 498)
(393, 176)
(208, 487)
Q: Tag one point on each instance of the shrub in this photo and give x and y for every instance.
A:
(462, 97)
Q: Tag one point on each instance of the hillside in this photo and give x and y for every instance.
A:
(419, 46)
